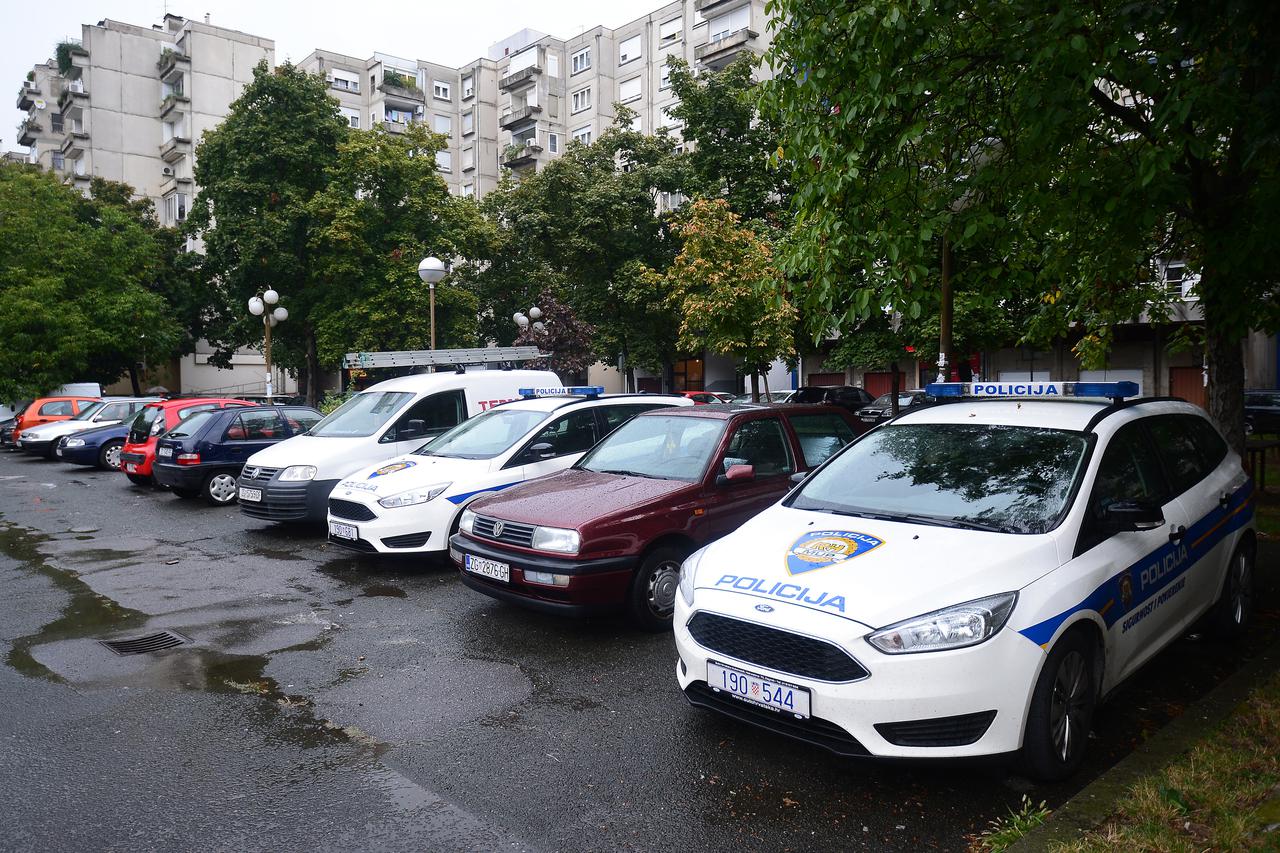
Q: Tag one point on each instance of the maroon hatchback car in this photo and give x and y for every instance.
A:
(612, 531)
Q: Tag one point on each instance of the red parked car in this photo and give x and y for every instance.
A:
(139, 451)
(46, 410)
(612, 531)
(704, 398)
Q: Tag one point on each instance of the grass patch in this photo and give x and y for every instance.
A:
(1003, 831)
(1207, 800)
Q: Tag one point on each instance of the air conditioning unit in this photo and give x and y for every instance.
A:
(167, 171)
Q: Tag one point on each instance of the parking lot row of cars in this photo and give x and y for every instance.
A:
(969, 578)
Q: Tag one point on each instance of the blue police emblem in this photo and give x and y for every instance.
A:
(818, 549)
(392, 468)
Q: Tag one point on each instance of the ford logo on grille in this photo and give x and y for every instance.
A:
(498, 527)
(250, 473)
(764, 608)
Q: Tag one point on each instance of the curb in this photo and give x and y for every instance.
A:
(1096, 802)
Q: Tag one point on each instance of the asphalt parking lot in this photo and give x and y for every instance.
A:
(326, 701)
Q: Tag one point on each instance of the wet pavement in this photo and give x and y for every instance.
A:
(325, 701)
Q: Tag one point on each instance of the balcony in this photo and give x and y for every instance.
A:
(73, 90)
(27, 95)
(28, 130)
(519, 154)
(720, 52)
(173, 102)
(171, 183)
(395, 126)
(405, 93)
(708, 6)
(171, 60)
(517, 116)
(519, 78)
(175, 148)
(73, 144)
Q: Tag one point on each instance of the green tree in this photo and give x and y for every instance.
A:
(76, 278)
(727, 292)
(1072, 145)
(259, 172)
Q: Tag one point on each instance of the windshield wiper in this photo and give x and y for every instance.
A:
(911, 518)
(626, 473)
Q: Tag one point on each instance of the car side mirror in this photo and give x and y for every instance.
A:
(736, 474)
(413, 429)
(543, 450)
(798, 477)
(1126, 516)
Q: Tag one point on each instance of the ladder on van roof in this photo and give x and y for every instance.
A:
(451, 357)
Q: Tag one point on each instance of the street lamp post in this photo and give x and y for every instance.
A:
(534, 316)
(431, 270)
(258, 307)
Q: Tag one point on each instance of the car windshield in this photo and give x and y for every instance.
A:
(1003, 478)
(663, 447)
(88, 412)
(484, 436)
(810, 395)
(364, 414)
(191, 425)
(884, 401)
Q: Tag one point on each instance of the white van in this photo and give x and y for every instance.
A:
(291, 481)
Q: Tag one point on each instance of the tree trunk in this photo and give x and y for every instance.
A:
(944, 315)
(755, 386)
(894, 386)
(133, 379)
(765, 373)
(1226, 386)
(313, 370)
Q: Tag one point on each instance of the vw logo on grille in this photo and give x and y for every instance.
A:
(250, 473)
(498, 527)
(764, 608)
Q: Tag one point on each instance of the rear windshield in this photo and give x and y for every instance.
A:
(484, 436)
(1004, 478)
(364, 414)
(191, 425)
(141, 426)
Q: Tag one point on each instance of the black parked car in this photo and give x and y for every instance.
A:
(846, 397)
(1261, 411)
(203, 455)
(882, 408)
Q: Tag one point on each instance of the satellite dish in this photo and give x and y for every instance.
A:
(40, 103)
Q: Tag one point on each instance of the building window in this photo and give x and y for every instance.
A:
(637, 123)
(444, 161)
(553, 65)
(399, 116)
(553, 143)
(468, 123)
(373, 120)
(583, 135)
(441, 91)
(468, 190)
(629, 50)
(468, 86)
(352, 116)
(669, 201)
(58, 162)
(629, 90)
(55, 122)
(730, 22)
(581, 100)
(664, 82)
(373, 82)
(580, 61)
(442, 124)
(346, 81)
(669, 30)
(666, 119)
(175, 208)
(468, 159)
(79, 167)
(526, 58)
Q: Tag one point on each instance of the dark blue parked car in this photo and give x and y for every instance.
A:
(203, 455)
(99, 446)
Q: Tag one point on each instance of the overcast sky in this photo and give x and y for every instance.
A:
(448, 31)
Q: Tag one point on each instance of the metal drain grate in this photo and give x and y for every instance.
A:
(149, 643)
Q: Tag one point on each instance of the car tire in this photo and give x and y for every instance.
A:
(1231, 614)
(1061, 713)
(185, 494)
(651, 600)
(109, 455)
(220, 489)
(138, 479)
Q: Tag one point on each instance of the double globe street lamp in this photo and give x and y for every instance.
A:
(258, 306)
(431, 270)
(532, 319)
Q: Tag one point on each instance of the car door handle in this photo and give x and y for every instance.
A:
(1224, 500)
(1176, 534)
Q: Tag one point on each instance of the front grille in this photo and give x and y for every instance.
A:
(512, 532)
(277, 504)
(149, 643)
(135, 458)
(351, 510)
(256, 472)
(408, 540)
(814, 730)
(778, 650)
(939, 731)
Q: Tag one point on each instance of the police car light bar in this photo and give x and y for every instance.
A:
(575, 390)
(1050, 390)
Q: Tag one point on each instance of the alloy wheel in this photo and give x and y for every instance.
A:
(1068, 706)
(1241, 581)
(113, 456)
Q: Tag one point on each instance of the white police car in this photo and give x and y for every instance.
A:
(973, 577)
(410, 504)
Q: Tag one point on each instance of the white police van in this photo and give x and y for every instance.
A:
(412, 503)
(974, 576)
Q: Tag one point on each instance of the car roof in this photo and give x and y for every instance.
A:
(1078, 415)
(553, 402)
(424, 381)
(64, 397)
(179, 402)
(726, 411)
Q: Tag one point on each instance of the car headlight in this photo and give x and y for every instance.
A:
(294, 473)
(556, 539)
(950, 628)
(688, 570)
(414, 496)
(467, 522)
(75, 442)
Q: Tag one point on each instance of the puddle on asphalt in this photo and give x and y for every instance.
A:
(384, 589)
